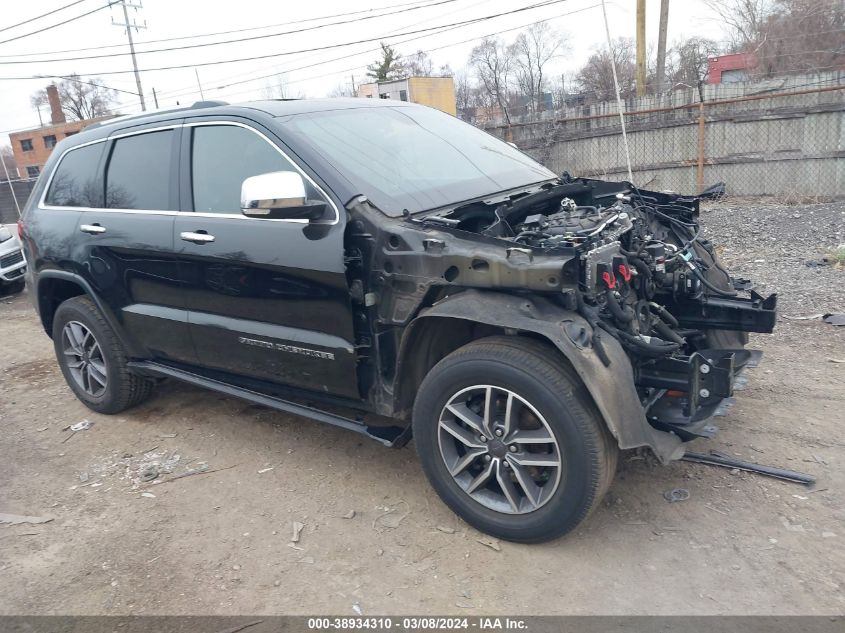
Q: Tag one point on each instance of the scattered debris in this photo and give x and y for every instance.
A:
(463, 605)
(357, 609)
(828, 534)
(791, 527)
(349, 515)
(295, 546)
(200, 471)
(149, 473)
(446, 529)
(491, 543)
(709, 507)
(835, 318)
(83, 477)
(165, 436)
(726, 461)
(265, 470)
(677, 494)
(836, 360)
(17, 519)
(43, 428)
(76, 428)
(297, 529)
(809, 317)
(390, 520)
(148, 495)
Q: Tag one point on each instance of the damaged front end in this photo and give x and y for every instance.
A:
(619, 279)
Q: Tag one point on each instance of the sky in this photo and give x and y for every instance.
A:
(406, 24)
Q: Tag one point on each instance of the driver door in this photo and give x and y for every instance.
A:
(266, 298)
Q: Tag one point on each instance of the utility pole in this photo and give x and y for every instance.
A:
(129, 26)
(640, 48)
(202, 96)
(661, 46)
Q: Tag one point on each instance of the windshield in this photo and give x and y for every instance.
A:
(414, 158)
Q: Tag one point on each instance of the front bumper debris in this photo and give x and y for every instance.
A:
(689, 390)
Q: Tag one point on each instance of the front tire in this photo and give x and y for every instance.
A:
(92, 359)
(510, 440)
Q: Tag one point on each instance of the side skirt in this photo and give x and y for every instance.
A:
(391, 436)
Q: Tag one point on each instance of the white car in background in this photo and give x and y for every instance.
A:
(12, 262)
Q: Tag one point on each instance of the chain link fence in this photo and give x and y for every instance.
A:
(786, 144)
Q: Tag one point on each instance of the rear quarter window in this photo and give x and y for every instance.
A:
(76, 182)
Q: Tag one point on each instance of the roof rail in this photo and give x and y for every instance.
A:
(208, 104)
(141, 115)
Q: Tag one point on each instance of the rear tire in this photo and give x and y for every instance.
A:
(93, 360)
(522, 495)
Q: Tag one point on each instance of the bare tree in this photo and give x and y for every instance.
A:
(596, 76)
(786, 36)
(275, 88)
(342, 90)
(81, 99)
(8, 158)
(801, 36)
(744, 19)
(466, 96)
(388, 67)
(492, 64)
(687, 63)
(419, 65)
(532, 50)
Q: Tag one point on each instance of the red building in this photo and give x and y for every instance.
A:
(728, 69)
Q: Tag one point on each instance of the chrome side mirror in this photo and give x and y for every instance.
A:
(279, 195)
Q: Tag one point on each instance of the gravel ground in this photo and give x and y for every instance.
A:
(375, 537)
(778, 247)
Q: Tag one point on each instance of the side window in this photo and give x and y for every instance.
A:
(222, 157)
(138, 174)
(76, 182)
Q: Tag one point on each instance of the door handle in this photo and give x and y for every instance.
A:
(93, 229)
(196, 237)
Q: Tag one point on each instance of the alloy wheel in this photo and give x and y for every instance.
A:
(84, 358)
(499, 449)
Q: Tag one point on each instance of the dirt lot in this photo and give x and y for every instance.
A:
(219, 543)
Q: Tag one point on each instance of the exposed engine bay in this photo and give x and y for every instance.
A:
(638, 269)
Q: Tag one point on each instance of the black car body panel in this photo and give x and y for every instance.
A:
(352, 309)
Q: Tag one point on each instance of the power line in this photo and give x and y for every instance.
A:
(75, 80)
(232, 41)
(318, 48)
(198, 35)
(43, 15)
(428, 50)
(57, 24)
(180, 91)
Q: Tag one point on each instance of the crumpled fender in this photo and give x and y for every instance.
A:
(611, 387)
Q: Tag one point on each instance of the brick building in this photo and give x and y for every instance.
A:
(726, 69)
(32, 147)
(437, 92)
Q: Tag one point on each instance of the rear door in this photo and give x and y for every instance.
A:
(267, 299)
(128, 254)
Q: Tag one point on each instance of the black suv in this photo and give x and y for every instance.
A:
(386, 268)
